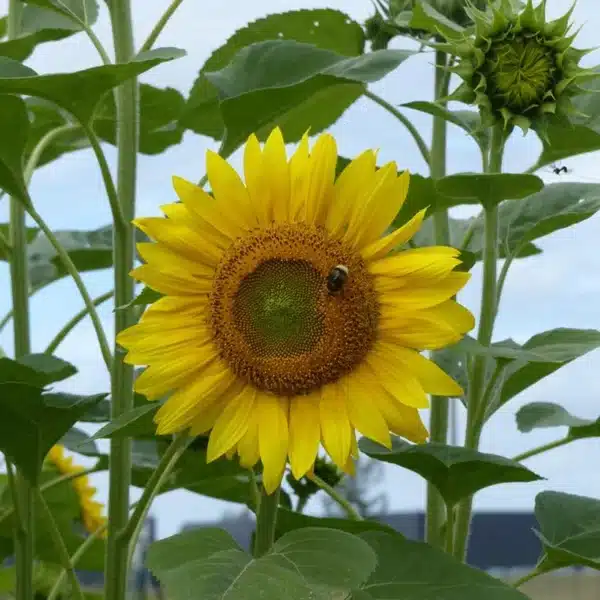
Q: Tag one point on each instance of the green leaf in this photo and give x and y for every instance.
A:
(290, 74)
(561, 345)
(426, 18)
(411, 570)
(456, 472)
(14, 126)
(91, 84)
(569, 530)
(77, 11)
(288, 520)
(49, 369)
(557, 206)
(134, 423)
(208, 563)
(38, 25)
(32, 422)
(160, 111)
(488, 189)
(79, 441)
(537, 415)
(335, 31)
(145, 297)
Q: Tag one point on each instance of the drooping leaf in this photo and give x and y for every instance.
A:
(536, 415)
(455, 471)
(569, 530)
(91, 84)
(49, 369)
(77, 11)
(427, 18)
(14, 126)
(208, 563)
(291, 74)
(325, 28)
(562, 345)
(488, 189)
(79, 441)
(31, 422)
(411, 570)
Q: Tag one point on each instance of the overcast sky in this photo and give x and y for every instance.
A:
(558, 288)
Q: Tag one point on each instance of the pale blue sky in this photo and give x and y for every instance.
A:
(558, 288)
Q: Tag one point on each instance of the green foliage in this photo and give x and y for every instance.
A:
(304, 564)
(456, 472)
(32, 420)
(569, 530)
(335, 32)
(416, 571)
(14, 125)
(137, 422)
(291, 74)
(83, 12)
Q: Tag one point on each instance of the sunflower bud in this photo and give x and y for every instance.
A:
(306, 487)
(518, 68)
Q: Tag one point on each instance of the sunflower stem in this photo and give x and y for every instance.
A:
(543, 448)
(438, 424)
(127, 113)
(130, 534)
(160, 25)
(60, 547)
(19, 277)
(476, 391)
(266, 521)
(351, 513)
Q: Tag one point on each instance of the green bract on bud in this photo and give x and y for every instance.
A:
(305, 487)
(518, 68)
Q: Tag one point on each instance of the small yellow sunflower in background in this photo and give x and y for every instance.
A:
(91, 511)
(286, 322)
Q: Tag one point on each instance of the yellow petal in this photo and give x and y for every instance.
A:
(382, 209)
(273, 437)
(229, 190)
(180, 409)
(335, 424)
(432, 378)
(166, 260)
(423, 294)
(402, 235)
(232, 423)
(305, 432)
(276, 165)
(430, 262)
(248, 445)
(253, 175)
(364, 413)
(349, 191)
(322, 174)
(180, 239)
(178, 284)
(397, 379)
(299, 173)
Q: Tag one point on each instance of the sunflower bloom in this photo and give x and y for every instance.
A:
(286, 324)
(91, 511)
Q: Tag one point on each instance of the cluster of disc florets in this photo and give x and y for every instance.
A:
(518, 68)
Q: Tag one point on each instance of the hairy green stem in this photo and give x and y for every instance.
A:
(438, 424)
(160, 25)
(127, 113)
(56, 588)
(450, 511)
(266, 522)
(73, 322)
(476, 394)
(60, 547)
(131, 532)
(423, 149)
(19, 278)
(41, 146)
(71, 269)
(543, 448)
(350, 511)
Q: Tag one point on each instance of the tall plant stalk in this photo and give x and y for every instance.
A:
(19, 277)
(475, 410)
(127, 106)
(438, 424)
